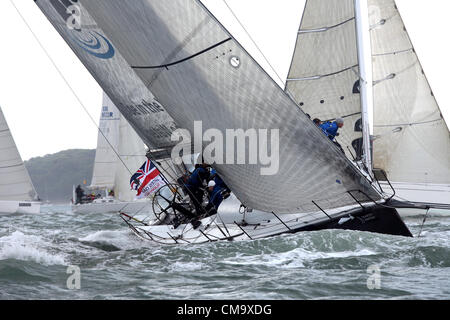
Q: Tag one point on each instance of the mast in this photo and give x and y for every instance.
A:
(365, 76)
(180, 45)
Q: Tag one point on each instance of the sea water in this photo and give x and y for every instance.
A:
(61, 255)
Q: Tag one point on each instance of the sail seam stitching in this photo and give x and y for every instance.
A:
(407, 124)
(16, 165)
(324, 29)
(392, 53)
(322, 76)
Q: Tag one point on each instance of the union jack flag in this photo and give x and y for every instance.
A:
(147, 180)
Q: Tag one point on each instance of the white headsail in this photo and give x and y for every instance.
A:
(198, 72)
(132, 152)
(324, 74)
(120, 152)
(15, 182)
(106, 160)
(412, 140)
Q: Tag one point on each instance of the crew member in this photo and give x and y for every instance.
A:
(331, 128)
(195, 186)
(80, 193)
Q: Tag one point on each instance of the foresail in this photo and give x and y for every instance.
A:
(15, 182)
(106, 161)
(132, 153)
(323, 78)
(412, 140)
(198, 72)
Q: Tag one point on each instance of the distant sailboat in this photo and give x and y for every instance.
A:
(119, 152)
(411, 138)
(17, 193)
(411, 141)
(171, 62)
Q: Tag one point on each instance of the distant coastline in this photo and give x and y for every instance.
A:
(53, 175)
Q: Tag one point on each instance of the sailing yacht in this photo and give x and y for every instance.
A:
(119, 153)
(171, 64)
(17, 193)
(411, 140)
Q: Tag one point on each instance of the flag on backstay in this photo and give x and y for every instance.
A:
(147, 180)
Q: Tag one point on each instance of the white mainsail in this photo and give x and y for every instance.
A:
(120, 152)
(15, 182)
(324, 74)
(412, 140)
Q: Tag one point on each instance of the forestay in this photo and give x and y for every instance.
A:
(412, 140)
(15, 182)
(198, 72)
(323, 78)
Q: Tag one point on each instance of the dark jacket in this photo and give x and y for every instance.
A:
(197, 178)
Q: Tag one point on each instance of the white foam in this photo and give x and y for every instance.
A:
(27, 248)
(118, 238)
(186, 266)
(294, 258)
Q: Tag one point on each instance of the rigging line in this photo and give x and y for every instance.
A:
(66, 81)
(162, 171)
(182, 60)
(323, 29)
(406, 124)
(346, 116)
(254, 42)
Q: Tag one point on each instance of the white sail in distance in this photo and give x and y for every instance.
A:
(15, 182)
(106, 160)
(182, 54)
(132, 152)
(412, 140)
(120, 152)
(324, 74)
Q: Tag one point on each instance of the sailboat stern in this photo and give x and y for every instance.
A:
(376, 219)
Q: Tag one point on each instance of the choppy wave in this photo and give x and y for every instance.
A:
(23, 247)
(114, 264)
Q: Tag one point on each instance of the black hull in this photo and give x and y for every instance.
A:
(376, 219)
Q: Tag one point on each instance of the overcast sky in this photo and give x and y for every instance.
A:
(45, 117)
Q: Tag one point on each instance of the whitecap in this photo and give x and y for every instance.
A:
(23, 247)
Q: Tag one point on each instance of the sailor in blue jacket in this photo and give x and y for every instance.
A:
(331, 128)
